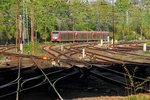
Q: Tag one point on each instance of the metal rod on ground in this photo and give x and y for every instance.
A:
(108, 39)
(116, 41)
(62, 48)
(21, 35)
(21, 47)
(112, 41)
(83, 53)
(144, 47)
(101, 42)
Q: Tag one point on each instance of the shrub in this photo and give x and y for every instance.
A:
(148, 43)
(1, 56)
(129, 37)
(28, 48)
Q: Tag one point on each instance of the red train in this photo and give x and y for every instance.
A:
(78, 35)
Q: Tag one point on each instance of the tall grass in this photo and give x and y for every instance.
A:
(137, 97)
(134, 86)
(1, 56)
(28, 48)
(148, 43)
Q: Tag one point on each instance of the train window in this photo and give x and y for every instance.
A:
(55, 34)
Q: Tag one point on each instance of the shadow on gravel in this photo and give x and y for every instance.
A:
(72, 82)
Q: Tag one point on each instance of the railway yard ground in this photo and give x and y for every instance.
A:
(76, 71)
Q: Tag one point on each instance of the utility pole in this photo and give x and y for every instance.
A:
(25, 23)
(18, 27)
(21, 34)
(32, 25)
(113, 23)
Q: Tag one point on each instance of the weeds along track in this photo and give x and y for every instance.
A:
(118, 52)
(120, 78)
(101, 57)
(123, 53)
(98, 53)
(128, 46)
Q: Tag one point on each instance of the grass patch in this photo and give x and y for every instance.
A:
(1, 56)
(37, 50)
(147, 52)
(48, 42)
(137, 97)
(148, 43)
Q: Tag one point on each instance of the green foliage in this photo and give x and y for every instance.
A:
(146, 52)
(78, 15)
(7, 19)
(129, 37)
(1, 56)
(148, 43)
(27, 48)
(137, 97)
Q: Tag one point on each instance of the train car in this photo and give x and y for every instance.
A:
(78, 35)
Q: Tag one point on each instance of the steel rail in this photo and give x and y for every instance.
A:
(48, 80)
(8, 94)
(55, 57)
(119, 52)
(51, 73)
(20, 55)
(19, 77)
(63, 77)
(77, 51)
(43, 48)
(21, 90)
(17, 81)
(12, 82)
(120, 73)
(39, 84)
(99, 75)
(6, 48)
(107, 57)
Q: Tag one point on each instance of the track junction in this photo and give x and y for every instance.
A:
(101, 71)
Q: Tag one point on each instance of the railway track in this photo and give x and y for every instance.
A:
(76, 50)
(7, 48)
(63, 57)
(25, 79)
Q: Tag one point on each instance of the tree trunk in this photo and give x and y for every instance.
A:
(18, 27)
(32, 25)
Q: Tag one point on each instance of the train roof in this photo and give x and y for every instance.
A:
(81, 31)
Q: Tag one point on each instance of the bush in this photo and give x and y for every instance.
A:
(118, 37)
(147, 52)
(28, 48)
(130, 37)
(1, 56)
(148, 43)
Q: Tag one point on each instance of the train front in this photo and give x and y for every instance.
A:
(54, 36)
